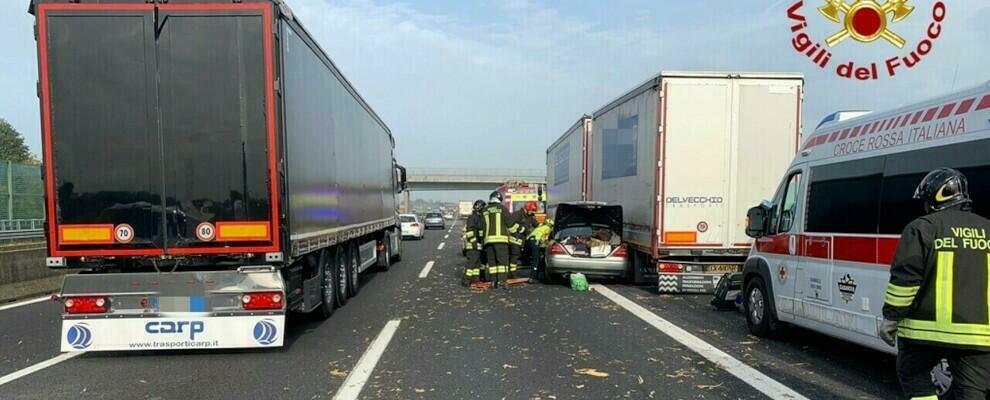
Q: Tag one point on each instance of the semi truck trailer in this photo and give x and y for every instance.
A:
(209, 168)
(685, 154)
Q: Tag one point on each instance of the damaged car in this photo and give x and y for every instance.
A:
(587, 238)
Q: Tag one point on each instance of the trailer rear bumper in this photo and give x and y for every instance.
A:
(679, 277)
(171, 311)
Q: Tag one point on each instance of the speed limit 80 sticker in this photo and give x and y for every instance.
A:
(206, 231)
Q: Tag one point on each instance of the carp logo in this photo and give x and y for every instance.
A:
(866, 22)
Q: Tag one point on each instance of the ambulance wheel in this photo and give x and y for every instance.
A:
(353, 274)
(342, 261)
(759, 316)
(328, 286)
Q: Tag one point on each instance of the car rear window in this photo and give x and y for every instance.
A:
(433, 215)
(407, 218)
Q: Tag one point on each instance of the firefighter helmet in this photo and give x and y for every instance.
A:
(478, 206)
(495, 197)
(531, 207)
(943, 188)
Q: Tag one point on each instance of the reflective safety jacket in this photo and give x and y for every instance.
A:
(939, 286)
(520, 226)
(494, 229)
(542, 234)
(473, 232)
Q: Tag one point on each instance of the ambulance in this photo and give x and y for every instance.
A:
(825, 242)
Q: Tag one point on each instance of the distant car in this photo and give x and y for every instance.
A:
(411, 227)
(448, 216)
(435, 220)
(587, 238)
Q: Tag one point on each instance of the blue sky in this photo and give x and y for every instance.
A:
(472, 84)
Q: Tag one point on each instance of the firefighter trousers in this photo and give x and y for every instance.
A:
(970, 370)
(498, 262)
(515, 253)
(472, 269)
(535, 256)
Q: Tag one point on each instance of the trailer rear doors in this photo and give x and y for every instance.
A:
(158, 126)
(725, 141)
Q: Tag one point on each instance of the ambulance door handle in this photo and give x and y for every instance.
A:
(791, 244)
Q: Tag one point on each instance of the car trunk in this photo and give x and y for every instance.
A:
(588, 230)
(158, 128)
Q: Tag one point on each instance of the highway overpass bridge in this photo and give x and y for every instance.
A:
(422, 179)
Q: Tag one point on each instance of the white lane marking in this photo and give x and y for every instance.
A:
(426, 270)
(446, 236)
(24, 303)
(355, 381)
(749, 375)
(38, 367)
(440, 247)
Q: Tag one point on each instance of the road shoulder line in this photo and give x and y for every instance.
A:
(355, 381)
(24, 303)
(38, 367)
(749, 375)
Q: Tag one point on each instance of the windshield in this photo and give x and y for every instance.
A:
(407, 218)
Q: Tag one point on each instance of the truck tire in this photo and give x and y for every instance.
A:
(398, 252)
(385, 258)
(760, 318)
(328, 288)
(342, 261)
(353, 274)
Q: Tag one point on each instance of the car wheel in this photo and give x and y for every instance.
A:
(342, 260)
(354, 276)
(760, 319)
(328, 286)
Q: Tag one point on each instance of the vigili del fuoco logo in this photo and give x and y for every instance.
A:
(865, 22)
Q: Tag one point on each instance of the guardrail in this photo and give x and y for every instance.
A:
(22, 229)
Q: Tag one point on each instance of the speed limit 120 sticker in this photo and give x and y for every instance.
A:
(206, 231)
(123, 233)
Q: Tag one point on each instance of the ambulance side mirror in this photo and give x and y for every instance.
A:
(756, 222)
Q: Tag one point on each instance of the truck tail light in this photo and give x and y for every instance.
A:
(670, 268)
(86, 305)
(557, 250)
(620, 251)
(262, 300)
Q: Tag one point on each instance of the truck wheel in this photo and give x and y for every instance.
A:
(342, 261)
(759, 316)
(353, 276)
(398, 251)
(328, 286)
(385, 259)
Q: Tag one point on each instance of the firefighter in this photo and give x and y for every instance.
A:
(496, 239)
(536, 242)
(937, 298)
(472, 245)
(523, 222)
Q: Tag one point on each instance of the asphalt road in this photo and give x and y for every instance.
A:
(524, 342)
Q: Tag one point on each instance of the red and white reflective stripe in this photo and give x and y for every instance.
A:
(869, 249)
(927, 115)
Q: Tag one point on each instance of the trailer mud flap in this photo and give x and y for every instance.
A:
(191, 331)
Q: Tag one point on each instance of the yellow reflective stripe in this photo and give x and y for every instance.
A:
(469, 234)
(944, 337)
(932, 397)
(902, 291)
(943, 289)
(897, 301)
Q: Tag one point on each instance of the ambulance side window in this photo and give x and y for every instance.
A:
(788, 204)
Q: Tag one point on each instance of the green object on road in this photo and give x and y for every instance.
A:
(579, 282)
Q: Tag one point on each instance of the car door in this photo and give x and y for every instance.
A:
(782, 244)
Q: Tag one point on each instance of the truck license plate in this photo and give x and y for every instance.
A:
(723, 268)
